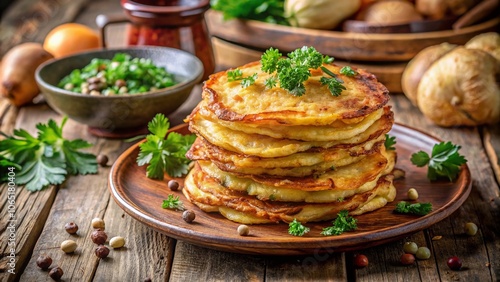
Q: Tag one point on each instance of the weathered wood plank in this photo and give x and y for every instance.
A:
(8, 115)
(193, 263)
(147, 253)
(384, 263)
(491, 139)
(318, 267)
(32, 209)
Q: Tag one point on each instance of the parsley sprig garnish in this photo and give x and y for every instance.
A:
(291, 72)
(348, 71)
(164, 155)
(173, 203)
(444, 162)
(415, 208)
(343, 222)
(46, 159)
(389, 142)
(296, 228)
(237, 74)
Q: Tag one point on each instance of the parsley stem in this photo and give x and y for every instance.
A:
(329, 72)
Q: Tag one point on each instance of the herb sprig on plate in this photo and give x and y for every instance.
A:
(413, 208)
(164, 154)
(445, 161)
(343, 222)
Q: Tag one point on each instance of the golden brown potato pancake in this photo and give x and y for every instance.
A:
(256, 104)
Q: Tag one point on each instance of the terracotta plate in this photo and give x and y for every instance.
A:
(142, 197)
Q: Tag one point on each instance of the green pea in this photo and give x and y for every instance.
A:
(410, 248)
(470, 228)
(423, 253)
(412, 194)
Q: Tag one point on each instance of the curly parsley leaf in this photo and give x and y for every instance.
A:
(348, 71)
(173, 203)
(389, 142)
(296, 228)
(342, 223)
(234, 75)
(334, 85)
(164, 155)
(292, 72)
(237, 75)
(269, 60)
(47, 158)
(445, 161)
(249, 80)
(413, 208)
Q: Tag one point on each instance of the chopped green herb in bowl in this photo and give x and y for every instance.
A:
(120, 75)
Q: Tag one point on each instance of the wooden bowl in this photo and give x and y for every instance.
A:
(348, 46)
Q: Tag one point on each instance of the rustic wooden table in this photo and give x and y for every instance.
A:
(40, 217)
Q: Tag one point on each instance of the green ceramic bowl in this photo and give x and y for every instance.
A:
(120, 112)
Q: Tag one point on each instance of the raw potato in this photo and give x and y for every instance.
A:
(489, 42)
(17, 72)
(391, 12)
(438, 9)
(320, 14)
(461, 89)
(418, 66)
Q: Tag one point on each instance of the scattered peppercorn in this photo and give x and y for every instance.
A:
(99, 237)
(173, 185)
(56, 273)
(44, 262)
(407, 259)
(470, 228)
(360, 261)
(68, 246)
(102, 160)
(71, 227)
(410, 248)
(98, 223)
(101, 251)
(412, 194)
(117, 242)
(188, 216)
(243, 230)
(454, 263)
(423, 253)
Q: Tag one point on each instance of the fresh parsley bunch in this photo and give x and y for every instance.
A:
(164, 155)
(444, 162)
(47, 158)
(342, 223)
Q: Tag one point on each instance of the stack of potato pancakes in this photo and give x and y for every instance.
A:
(264, 155)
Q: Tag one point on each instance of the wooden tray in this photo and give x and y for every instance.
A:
(142, 197)
(347, 46)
